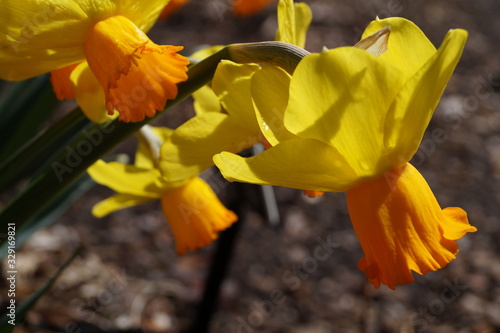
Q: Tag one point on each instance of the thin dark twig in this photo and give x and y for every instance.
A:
(220, 265)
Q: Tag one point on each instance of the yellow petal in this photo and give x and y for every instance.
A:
(127, 179)
(205, 100)
(293, 21)
(40, 36)
(143, 13)
(117, 202)
(231, 84)
(77, 81)
(306, 164)
(192, 145)
(408, 48)
(137, 75)
(249, 7)
(402, 228)
(89, 94)
(418, 98)
(195, 215)
(269, 88)
(341, 97)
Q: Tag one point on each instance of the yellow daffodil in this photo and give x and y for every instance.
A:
(233, 129)
(136, 75)
(191, 207)
(225, 117)
(353, 118)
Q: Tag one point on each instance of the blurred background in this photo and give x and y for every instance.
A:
(129, 278)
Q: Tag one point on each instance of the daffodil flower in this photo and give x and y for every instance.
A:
(137, 76)
(352, 121)
(225, 117)
(191, 207)
(232, 128)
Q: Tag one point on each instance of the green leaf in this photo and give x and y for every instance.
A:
(36, 154)
(15, 106)
(27, 121)
(51, 212)
(28, 303)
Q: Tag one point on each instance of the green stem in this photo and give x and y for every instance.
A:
(12, 104)
(42, 148)
(98, 140)
(284, 55)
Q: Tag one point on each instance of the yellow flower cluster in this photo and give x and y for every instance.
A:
(347, 119)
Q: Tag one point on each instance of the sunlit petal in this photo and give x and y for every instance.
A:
(205, 100)
(341, 97)
(306, 164)
(127, 179)
(89, 94)
(293, 21)
(270, 97)
(117, 202)
(414, 105)
(41, 36)
(192, 145)
(408, 48)
(231, 84)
